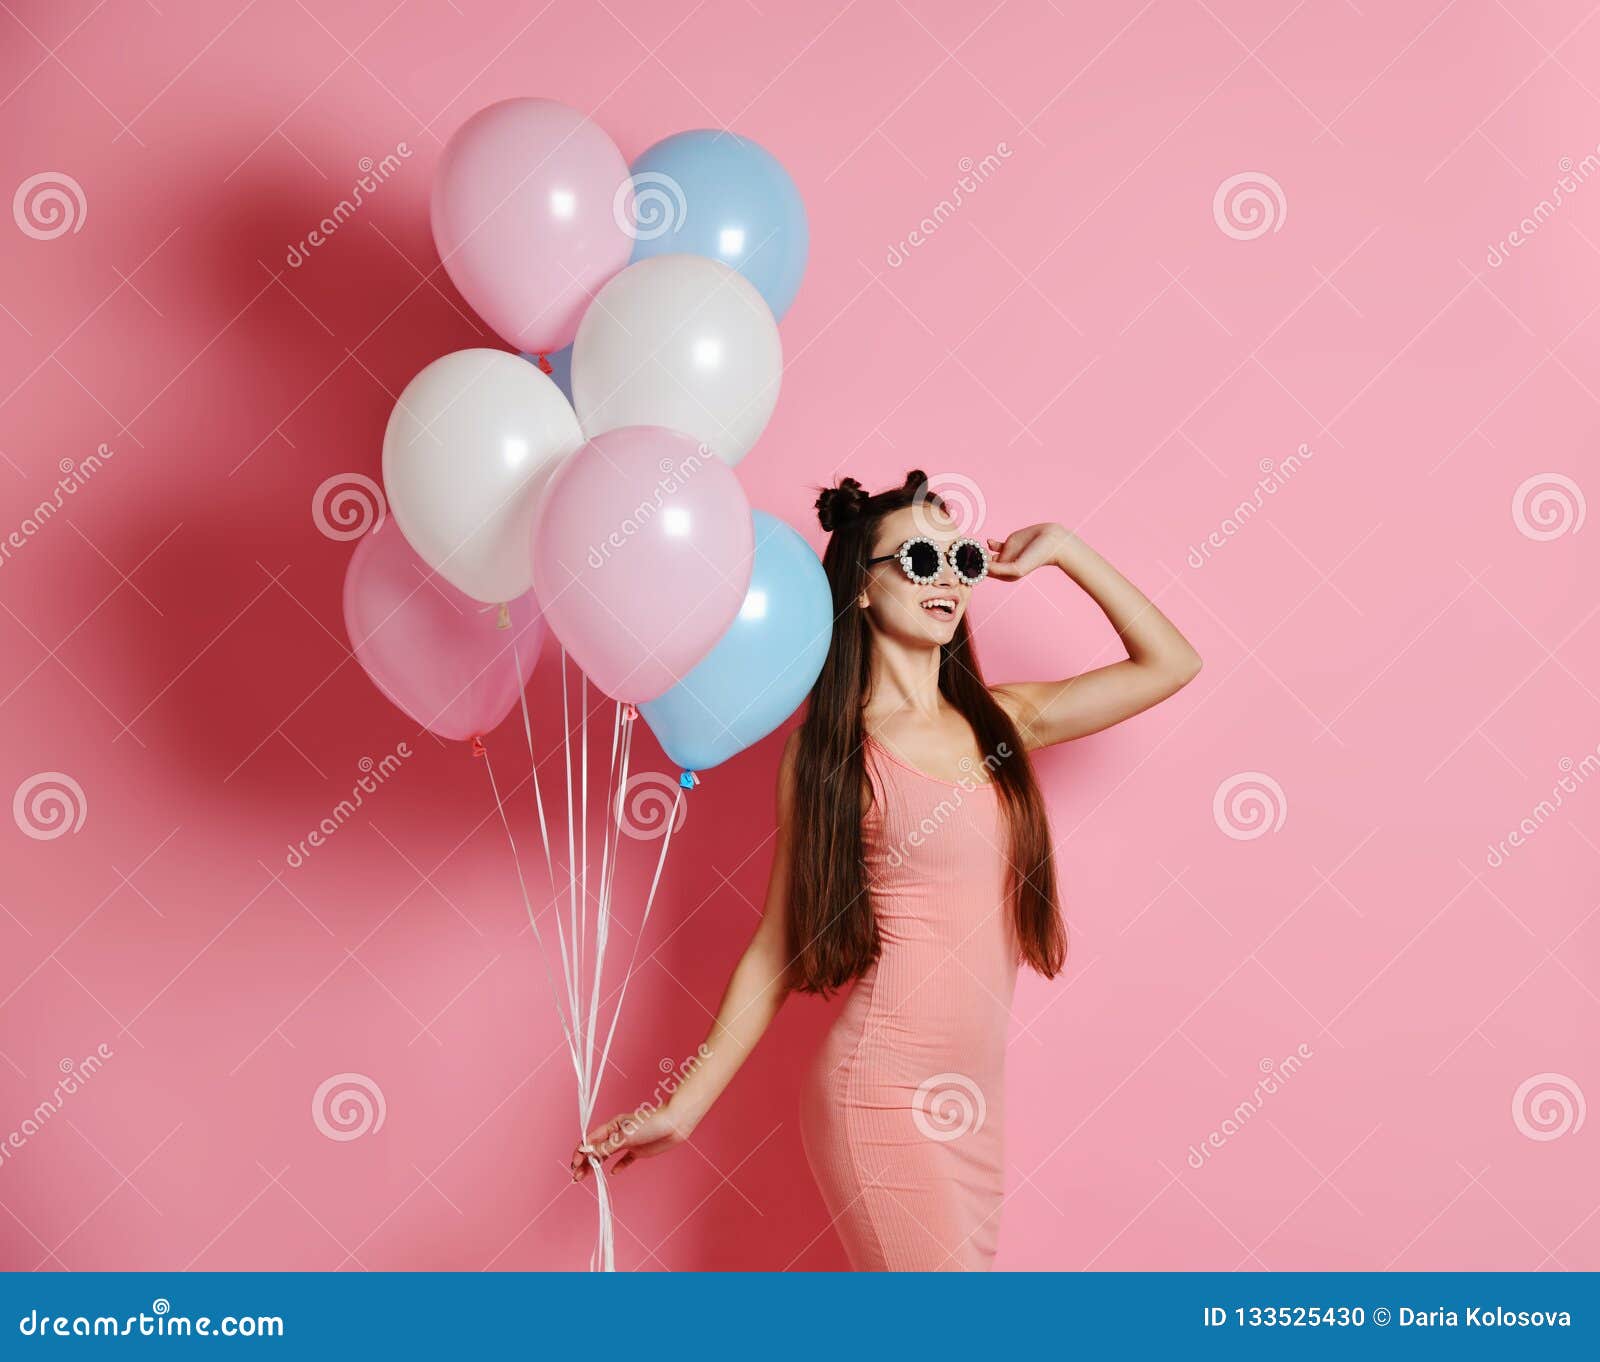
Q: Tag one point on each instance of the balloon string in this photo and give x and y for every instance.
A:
(604, 923)
(649, 901)
(572, 865)
(527, 902)
(583, 825)
(533, 763)
(603, 898)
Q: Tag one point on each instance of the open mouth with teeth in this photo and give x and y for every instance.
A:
(944, 606)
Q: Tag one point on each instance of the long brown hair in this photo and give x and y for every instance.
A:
(833, 931)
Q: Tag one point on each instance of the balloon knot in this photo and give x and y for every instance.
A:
(629, 713)
(688, 779)
(478, 749)
(544, 364)
(503, 619)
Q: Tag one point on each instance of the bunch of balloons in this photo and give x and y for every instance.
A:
(583, 484)
(591, 491)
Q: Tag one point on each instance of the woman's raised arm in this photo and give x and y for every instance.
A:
(1160, 662)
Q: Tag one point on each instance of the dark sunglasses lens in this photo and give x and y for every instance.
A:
(924, 559)
(969, 560)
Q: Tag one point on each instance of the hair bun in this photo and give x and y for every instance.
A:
(916, 482)
(838, 506)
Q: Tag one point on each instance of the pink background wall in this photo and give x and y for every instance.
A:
(1408, 657)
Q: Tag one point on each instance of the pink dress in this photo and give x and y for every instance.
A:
(903, 1111)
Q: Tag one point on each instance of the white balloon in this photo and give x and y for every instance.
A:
(470, 445)
(680, 341)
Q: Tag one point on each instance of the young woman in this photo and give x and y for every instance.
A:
(913, 866)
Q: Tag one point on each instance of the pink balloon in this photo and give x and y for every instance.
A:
(530, 214)
(436, 652)
(642, 547)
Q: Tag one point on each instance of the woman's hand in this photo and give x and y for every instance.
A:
(1034, 547)
(634, 1135)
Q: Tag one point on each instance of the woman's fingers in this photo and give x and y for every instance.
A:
(603, 1141)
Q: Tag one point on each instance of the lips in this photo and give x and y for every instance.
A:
(942, 606)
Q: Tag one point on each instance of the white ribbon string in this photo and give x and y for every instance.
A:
(603, 927)
(555, 995)
(579, 951)
(650, 899)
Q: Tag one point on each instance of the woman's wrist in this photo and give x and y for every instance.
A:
(1072, 554)
(685, 1113)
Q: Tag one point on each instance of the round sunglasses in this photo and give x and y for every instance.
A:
(919, 558)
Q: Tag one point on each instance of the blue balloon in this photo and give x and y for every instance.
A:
(762, 667)
(560, 368)
(717, 194)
